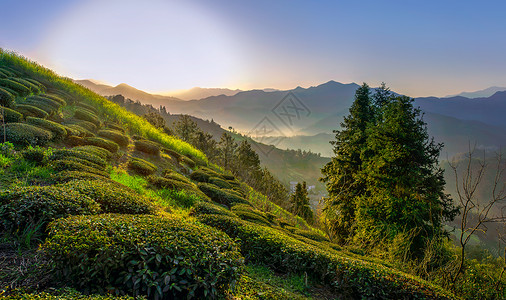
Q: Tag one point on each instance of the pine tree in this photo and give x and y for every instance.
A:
(227, 150)
(300, 202)
(404, 194)
(341, 174)
(248, 162)
(185, 127)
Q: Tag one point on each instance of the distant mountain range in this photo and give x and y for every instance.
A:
(199, 93)
(303, 118)
(481, 93)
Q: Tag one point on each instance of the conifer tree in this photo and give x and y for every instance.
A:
(227, 150)
(185, 127)
(341, 174)
(300, 202)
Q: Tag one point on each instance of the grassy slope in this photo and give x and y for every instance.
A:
(281, 227)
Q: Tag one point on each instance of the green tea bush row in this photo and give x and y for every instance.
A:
(76, 153)
(33, 206)
(47, 104)
(10, 115)
(103, 143)
(55, 98)
(221, 196)
(59, 131)
(141, 166)
(29, 110)
(148, 147)
(170, 174)
(82, 132)
(114, 126)
(114, 197)
(98, 151)
(84, 124)
(87, 107)
(86, 115)
(165, 258)
(311, 235)
(75, 164)
(248, 213)
(115, 136)
(220, 183)
(17, 87)
(39, 85)
(32, 87)
(66, 176)
(6, 98)
(348, 277)
(209, 208)
(187, 161)
(23, 134)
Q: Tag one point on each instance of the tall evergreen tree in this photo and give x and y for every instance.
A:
(185, 127)
(248, 162)
(341, 174)
(227, 151)
(300, 202)
(404, 183)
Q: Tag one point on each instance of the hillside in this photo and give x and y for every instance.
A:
(119, 207)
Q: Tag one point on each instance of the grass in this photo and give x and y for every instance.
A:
(4, 161)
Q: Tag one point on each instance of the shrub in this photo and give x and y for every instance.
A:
(200, 176)
(98, 151)
(171, 153)
(66, 176)
(157, 256)
(6, 98)
(39, 85)
(84, 124)
(246, 212)
(141, 166)
(10, 115)
(74, 140)
(32, 87)
(208, 208)
(221, 196)
(59, 132)
(55, 98)
(71, 131)
(29, 110)
(187, 161)
(74, 164)
(170, 174)
(114, 197)
(75, 153)
(181, 198)
(82, 132)
(220, 183)
(103, 143)
(23, 134)
(17, 87)
(349, 277)
(115, 127)
(311, 235)
(86, 115)
(46, 104)
(148, 147)
(87, 107)
(30, 207)
(228, 177)
(115, 136)
(34, 154)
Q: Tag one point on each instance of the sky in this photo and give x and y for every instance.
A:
(418, 48)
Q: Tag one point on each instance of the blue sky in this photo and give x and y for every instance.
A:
(419, 48)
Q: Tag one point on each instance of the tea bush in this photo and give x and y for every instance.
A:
(84, 124)
(221, 196)
(208, 208)
(220, 183)
(23, 134)
(141, 166)
(29, 110)
(76, 164)
(86, 115)
(103, 143)
(170, 174)
(17, 87)
(30, 207)
(311, 235)
(36, 154)
(114, 197)
(32, 87)
(80, 154)
(349, 277)
(165, 258)
(200, 176)
(87, 107)
(46, 104)
(115, 127)
(98, 151)
(248, 213)
(115, 136)
(81, 131)
(187, 161)
(10, 115)
(58, 130)
(6, 98)
(55, 98)
(148, 147)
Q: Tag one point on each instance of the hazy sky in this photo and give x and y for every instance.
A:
(419, 48)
